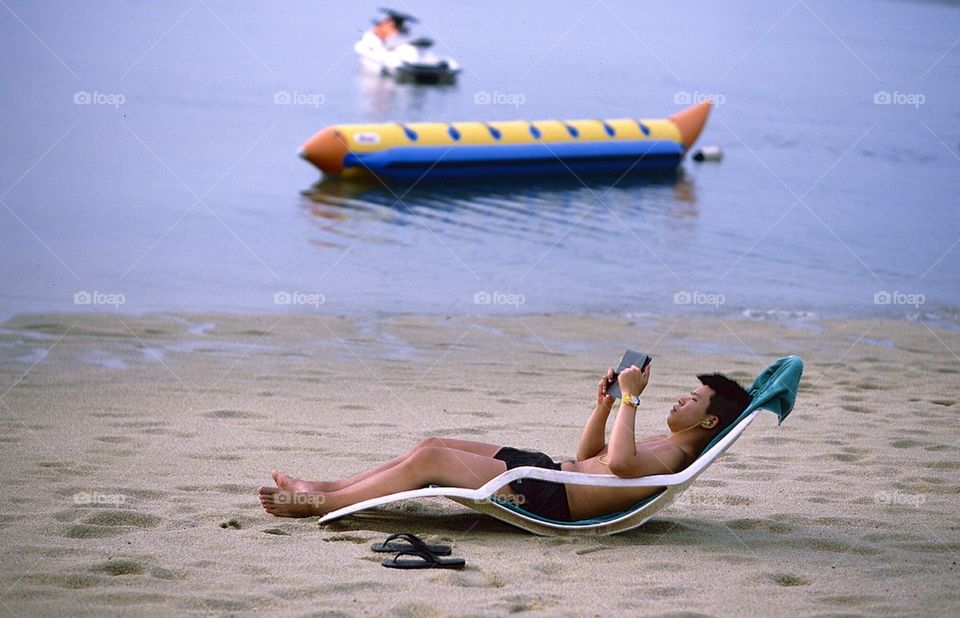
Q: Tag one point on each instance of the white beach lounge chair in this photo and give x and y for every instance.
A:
(774, 390)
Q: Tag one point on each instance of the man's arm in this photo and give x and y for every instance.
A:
(592, 440)
(624, 459)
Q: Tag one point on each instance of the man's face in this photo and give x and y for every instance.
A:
(690, 409)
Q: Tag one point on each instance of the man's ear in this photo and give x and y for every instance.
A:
(710, 422)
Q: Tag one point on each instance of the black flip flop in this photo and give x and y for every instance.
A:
(423, 560)
(408, 542)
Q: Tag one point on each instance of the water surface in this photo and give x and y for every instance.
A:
(187, 194)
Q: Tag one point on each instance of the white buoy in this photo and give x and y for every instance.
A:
(708, 153)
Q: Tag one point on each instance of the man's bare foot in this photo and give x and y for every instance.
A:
(284, 503)
(289, 483)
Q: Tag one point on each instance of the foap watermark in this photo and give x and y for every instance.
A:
(299, 298)
(114, 99)
(884, 97)
(898, 498)
(898, 298)
(485, 97)
(512, 499)
(685, 97)
(498, 298)
(285, 97)
(95, 498)
(83, 297)
(684, 297)
(299, 499)
(708, 500)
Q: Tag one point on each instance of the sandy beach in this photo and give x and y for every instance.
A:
(133, 447)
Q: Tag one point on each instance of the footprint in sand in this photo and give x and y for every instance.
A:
(857, 409)
(409, 609)
(942, 465)
(71, 581)
(214, 605)
(111, 523)
(906, 443)
(115, 568)
(233, 414)
(736, 558)
(7, 519)
(61, 471)
(850, 455)
(123, 518)
(116, 439)
(837, 547)
(744, 524)
(665, 592)
(216, 457)
(788, 579)
(940, 447)
(849, 600)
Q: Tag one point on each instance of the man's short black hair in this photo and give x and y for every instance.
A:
(729, 398)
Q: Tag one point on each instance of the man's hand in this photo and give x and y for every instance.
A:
(603, 399)
(632, 380)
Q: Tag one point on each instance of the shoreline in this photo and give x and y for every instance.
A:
(182, 332)
(945, 317)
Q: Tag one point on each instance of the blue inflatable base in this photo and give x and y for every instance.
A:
(412, 163)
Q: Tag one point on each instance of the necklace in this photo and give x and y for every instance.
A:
(603, 456)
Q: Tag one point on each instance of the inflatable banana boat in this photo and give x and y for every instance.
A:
(437, 150)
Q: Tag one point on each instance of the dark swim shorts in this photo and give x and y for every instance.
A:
(543, 498)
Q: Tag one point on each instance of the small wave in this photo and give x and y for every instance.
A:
(780, 314)
(947, 318)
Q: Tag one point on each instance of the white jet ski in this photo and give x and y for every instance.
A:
(388, 49)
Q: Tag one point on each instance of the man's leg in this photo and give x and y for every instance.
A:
(424, 466)
(290, 483)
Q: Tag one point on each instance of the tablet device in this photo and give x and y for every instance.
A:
(628, 359)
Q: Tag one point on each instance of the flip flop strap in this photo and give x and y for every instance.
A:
(428, 557)
(414, 541)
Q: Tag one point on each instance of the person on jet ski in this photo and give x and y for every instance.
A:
(392, 28)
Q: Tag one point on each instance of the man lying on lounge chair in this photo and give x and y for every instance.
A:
(693, 421)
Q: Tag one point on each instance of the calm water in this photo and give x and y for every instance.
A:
(176, 187)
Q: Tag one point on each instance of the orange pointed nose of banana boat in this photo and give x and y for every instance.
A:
(326, 150)
(690, 122)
